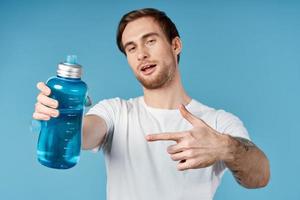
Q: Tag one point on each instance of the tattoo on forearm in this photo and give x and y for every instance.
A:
(246, 143)
(248, 164)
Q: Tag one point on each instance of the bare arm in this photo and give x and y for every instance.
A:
(94, 131)
(247, 162)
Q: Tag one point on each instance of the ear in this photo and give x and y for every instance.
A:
(176, 45)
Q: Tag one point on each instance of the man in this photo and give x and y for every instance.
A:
(163, 145)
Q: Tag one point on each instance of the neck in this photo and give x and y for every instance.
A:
(170, 96)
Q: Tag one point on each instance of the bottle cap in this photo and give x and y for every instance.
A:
(70, 68)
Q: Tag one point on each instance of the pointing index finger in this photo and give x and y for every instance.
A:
(164, 136)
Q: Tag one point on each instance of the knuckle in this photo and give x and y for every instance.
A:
(46, 91)
(186, 165)
(37, 116)
(37, 106)
(47, 101)
(184, 145)
(189, 133)
(190, 153)
(192, 163)
(173, 157)
(49, 111)
(173, 148)
(187, 144)
(169, 149)
(40, 97)
(41, 108)
(46, 110)
(168, 136)
(34, 116)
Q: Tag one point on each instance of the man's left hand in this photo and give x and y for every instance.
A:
(199, 147)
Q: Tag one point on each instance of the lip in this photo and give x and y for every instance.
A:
(149, 71)
(145, 65)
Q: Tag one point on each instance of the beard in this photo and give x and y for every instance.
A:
(159, 80)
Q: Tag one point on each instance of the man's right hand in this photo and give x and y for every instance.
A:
(45, 107)
(94, 127)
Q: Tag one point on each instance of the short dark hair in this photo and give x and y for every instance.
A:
(160, 17)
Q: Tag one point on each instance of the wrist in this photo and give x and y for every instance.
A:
(229, 148)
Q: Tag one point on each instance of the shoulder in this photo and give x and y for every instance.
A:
(118, 103)
(220, 120)
(200, 107)
(206, 111)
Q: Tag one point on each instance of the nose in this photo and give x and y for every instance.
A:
(142, 54)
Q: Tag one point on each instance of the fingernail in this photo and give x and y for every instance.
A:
(54, 114)
(54, 104)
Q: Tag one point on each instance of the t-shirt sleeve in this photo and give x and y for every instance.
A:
(107, 109)
(230, 124)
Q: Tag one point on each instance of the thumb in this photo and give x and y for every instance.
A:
(187, 115)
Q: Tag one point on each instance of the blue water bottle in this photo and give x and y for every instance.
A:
(59, 141)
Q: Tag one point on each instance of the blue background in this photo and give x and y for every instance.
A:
(242, 56)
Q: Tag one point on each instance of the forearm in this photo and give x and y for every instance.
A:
(247, 162)
(94, 130)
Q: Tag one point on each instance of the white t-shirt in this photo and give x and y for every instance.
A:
(141, 170)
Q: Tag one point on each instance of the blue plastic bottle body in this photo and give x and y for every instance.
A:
(59, 141)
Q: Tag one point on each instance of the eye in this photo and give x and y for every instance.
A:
(131, 49)
(151, 41)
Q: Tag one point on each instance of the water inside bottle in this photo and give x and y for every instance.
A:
(60, 140)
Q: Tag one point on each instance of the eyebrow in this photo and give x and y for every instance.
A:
(143, 37)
